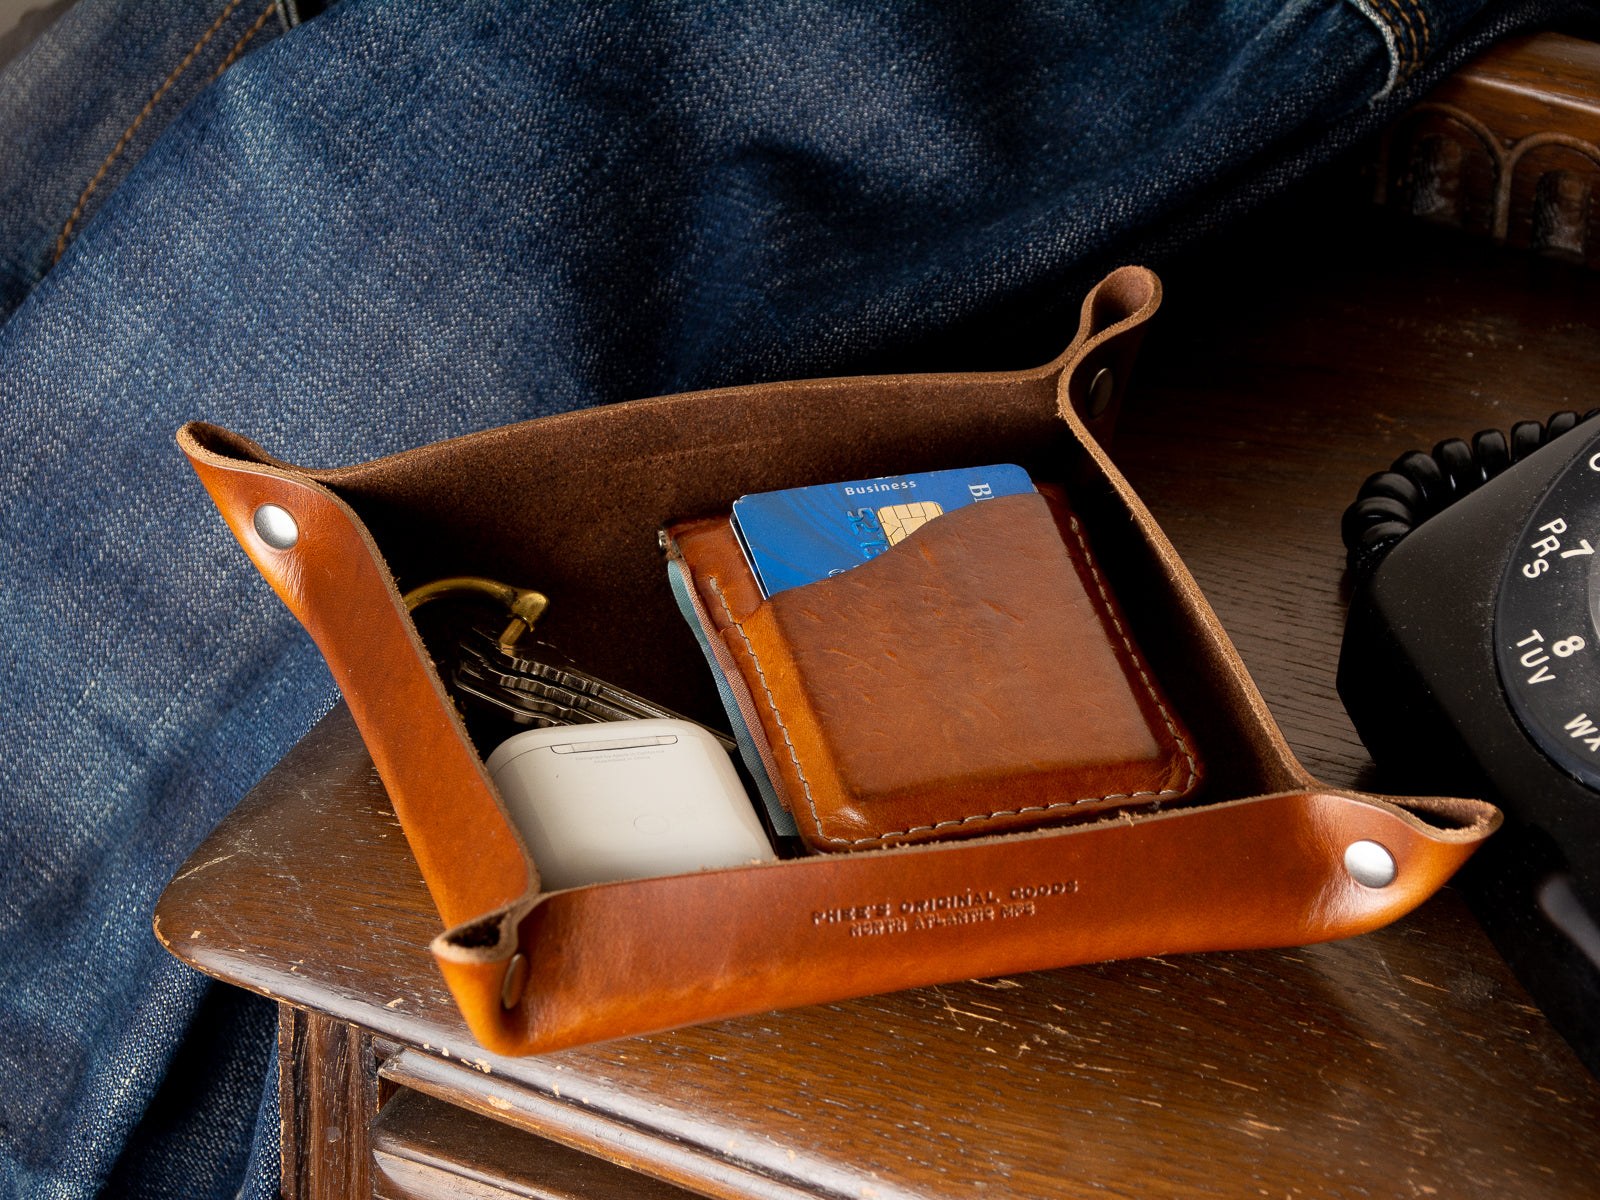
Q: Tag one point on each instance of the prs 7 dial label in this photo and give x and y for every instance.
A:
(1545, 626)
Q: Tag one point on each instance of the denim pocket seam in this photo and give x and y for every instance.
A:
(149, 107)
(1408, 48)
(244, 38)
(1396, 17)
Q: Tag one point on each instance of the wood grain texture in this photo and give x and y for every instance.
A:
(327, 1098)
(1406, 1062)
(424, 1149)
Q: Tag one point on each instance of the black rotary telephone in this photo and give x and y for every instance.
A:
(1471, 665)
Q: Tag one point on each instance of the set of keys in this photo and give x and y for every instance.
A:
(528, 682)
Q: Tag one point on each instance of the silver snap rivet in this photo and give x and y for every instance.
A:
(1370, 864)
(276, 527)
(1101, 388)
(514, 980)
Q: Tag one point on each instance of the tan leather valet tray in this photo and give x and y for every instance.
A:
(572, 504)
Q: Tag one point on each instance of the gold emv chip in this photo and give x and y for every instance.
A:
(898, 520)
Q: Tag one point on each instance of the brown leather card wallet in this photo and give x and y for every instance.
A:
(977, 677)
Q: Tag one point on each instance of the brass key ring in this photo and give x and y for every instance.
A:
(524, 604)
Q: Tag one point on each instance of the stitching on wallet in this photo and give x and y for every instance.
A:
(127, 134)
(805, 784)
(1138, 664)
(1127, 643)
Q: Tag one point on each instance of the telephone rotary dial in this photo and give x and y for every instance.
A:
(1471, 665)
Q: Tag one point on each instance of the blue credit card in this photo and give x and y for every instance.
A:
(805, 534)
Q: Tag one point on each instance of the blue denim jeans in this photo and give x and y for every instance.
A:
(399, 222)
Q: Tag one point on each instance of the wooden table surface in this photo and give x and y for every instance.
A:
(1404, 1063)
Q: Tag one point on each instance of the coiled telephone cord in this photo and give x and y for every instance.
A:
(1392, 503)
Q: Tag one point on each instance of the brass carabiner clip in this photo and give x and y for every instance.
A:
(524, 604)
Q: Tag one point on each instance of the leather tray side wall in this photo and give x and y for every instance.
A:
(333, 578)
(655, 954)
(571, 504)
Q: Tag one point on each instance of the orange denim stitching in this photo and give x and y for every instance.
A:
(127, 135)
(238, 46)
(1427, 33)
(1398, 20)
(1395, 31)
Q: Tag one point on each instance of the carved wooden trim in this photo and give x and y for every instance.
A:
(1507, 148)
